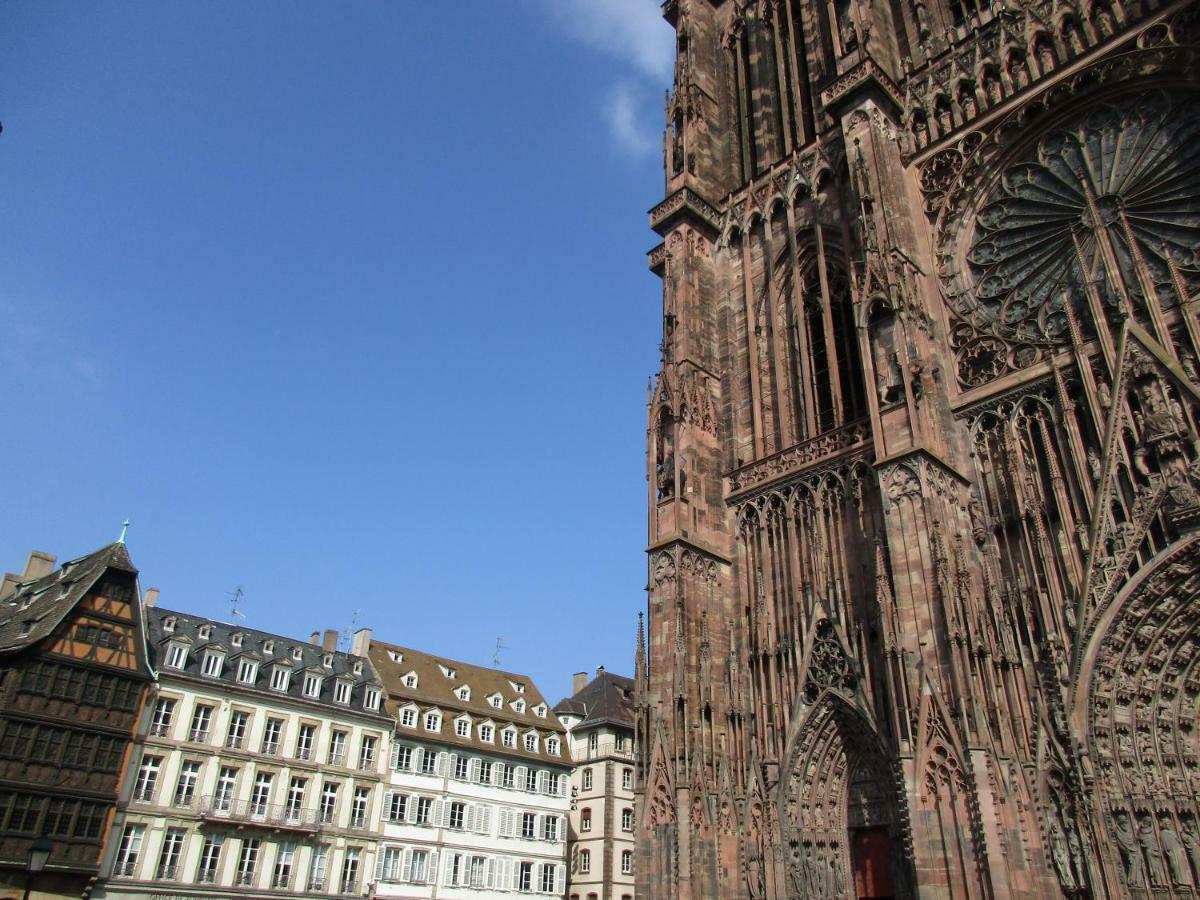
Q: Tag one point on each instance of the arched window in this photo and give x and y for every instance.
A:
(585, 820)
(585, 862)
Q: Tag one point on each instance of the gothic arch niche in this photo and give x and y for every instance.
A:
(1141, 713)
(841, 827)
(1098, 212)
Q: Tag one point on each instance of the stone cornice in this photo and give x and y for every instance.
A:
(686, 204)
(867, 77)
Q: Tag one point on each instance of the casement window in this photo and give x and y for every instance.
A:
(312, 685)
(281, 677)
(509, 737)
(506, 774)
(620, 742)
(366, 752)
(185, 787)
(350, 864)
(585, 819)
(518, 687)
(358, 807)
(483, 774)
(223, 798)
(463, 693)
(529, 825)
(401, 757)
(587, 779)
(486, 733)
(531, 743)
(201, 719)
(455, 873)
(317, 868)
(235, 640)
(337, 748)
(421, 870)
(627, 862)
(305, 738)
(329, 794)
(147, 779)
(214, 662)
(462, 728)
(552, 746)
(531, 776)
(129, 850)
(627, 819)
(271, 734)
(284, 860)
(236, 736)
(408, 717)
(593, 742)
(496, 701)
(424, 811)
(477, 869)
(371, 699)
(247, 672)
(525, 876)
(160, 721)
(260, 794)
(461, 767)
(410, 680)
(549, 879)
(295, 799)
(177, 655)
(519, 705)
(388, 867)
(210, 858)
(341, 692)
(550, 828)
(428, 762)
(585, 862)
(627, 779)
(168, 857)
(247, 862)
(397, 810)
(433, 721)
(458, 816)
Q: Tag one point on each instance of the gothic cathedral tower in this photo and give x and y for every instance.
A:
(924, 521)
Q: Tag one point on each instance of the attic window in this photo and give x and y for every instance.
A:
(410, 680)
(519, 705)
(463, 693)
(169, 624)
(496, 701)
(236, 640)
(327, 661)
(540, 711)
(269, 647)
(447, 671)
(518, 687)
(297, 654)
(205, 631)
(358, 668)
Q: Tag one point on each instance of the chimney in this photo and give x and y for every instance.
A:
(315, 640)
(151, 598)
(330, 641)
(39, 565)
(578, 682)
(361, 643)
(599, 671)
(8, 586)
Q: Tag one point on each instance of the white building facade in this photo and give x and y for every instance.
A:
(478, 792)
(600, 727)
(260, 769)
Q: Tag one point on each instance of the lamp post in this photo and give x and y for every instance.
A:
(39, 853)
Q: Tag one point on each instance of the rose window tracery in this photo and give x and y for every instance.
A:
(1117, 184)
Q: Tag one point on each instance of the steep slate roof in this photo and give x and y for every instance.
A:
(46, 601)
(434, 689)
(220, 636)
(605, 700)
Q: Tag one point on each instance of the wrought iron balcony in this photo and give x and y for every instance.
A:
(265, 815)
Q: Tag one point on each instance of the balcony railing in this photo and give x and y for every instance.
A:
(303, 752)
(350, 887)
(245, 879)
(167, 873)
(199, 736)
(268, 815)
(281, 880)
(336, 759)
(206, 876)
(145, 795)
(234, 741)
(160, 729)
(316, 885)
(270, 748)
(125, 867)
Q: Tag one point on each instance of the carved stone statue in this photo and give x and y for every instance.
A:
(1156, 872)
(1060, 855)
(1131, 853)
(1191, 844)
(1177, 862)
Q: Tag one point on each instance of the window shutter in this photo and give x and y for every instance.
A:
(539, 826)
(435, 816)
(519, 781)
(448, 875)
(454, 763)
(443, 762)
(541, 781)
(406, 867)
(410, 809)
(490, 873)
(505, 821)
(515, 869)
(484, 820)
(469, 818)
(560, 877)
(433, 861)
(475, 769)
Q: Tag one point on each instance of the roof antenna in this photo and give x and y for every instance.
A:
(348, 634)
(124, 528)
(496, 655)
(237, 594)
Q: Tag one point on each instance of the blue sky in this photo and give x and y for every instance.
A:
(345, 304)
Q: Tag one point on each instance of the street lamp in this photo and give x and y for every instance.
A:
(39, 853)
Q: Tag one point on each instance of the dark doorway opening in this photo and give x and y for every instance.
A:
(871, 856)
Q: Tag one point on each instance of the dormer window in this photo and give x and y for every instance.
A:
(433, 721)
(214, 663)
(169, 624)
(327, 660)
(410, 680)
(531, 742)
(341, 692)
(312, 685)
(552, 746)
(519, 705)
(297, 654)
(463, 693)
(371, 698)
(486, 733)
(176, 655)
(408, 717)
(247, 671)
(462, 727)
(358, 667)
(205, 632)
(496, 701)
(281, 677)
(540, 710)
(447, 671)
(269, 647)
(518, 687)
(508, 737)
(236, 640)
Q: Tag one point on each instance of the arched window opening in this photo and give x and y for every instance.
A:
(845, 337)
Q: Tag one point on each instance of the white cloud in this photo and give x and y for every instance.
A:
(633, 135)
(633, 34)
(632, 31)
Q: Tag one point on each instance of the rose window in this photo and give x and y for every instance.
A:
(1120, 181)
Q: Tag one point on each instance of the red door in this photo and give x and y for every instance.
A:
(873, 864)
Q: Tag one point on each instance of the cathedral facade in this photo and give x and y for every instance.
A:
(923, 478)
